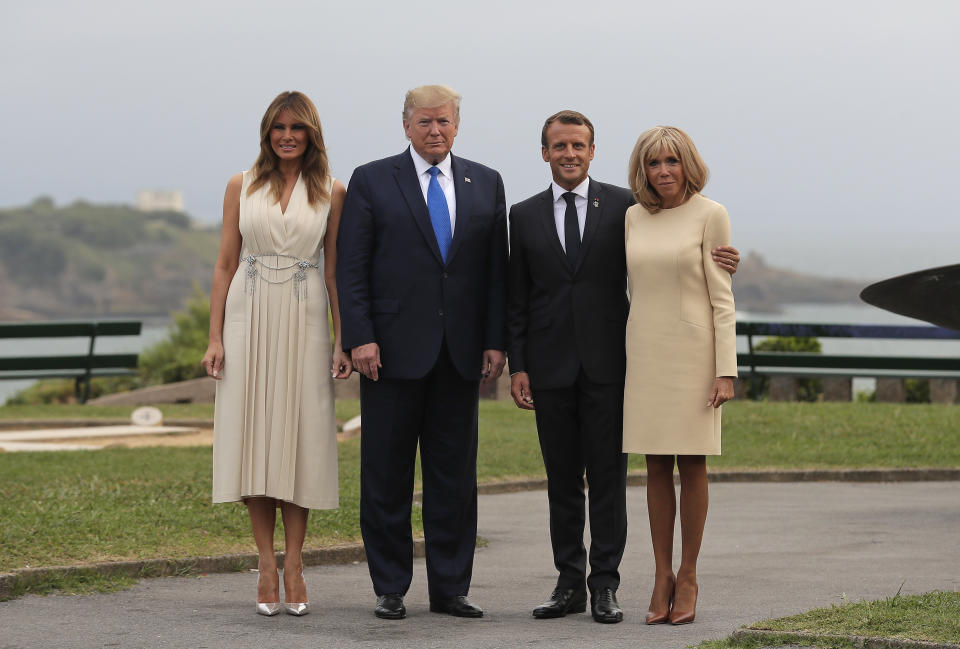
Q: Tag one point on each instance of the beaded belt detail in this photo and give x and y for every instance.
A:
(299, 277)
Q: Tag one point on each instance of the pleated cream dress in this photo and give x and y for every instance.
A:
(274, 429)
(681, 331)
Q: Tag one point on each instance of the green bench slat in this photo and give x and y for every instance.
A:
(890, 332)
(99, 361)
(764, 359)
(66, 374)
(70, 329)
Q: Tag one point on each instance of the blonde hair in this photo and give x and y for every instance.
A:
(431, 97)
(649, 145)
(314, 167)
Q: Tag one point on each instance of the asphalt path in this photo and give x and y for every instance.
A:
(769, 550)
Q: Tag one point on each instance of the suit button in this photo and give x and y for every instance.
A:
(444, 276)
(441, 313)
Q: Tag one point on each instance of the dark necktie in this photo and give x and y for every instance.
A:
(571, 228)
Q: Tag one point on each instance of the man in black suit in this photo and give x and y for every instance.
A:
(421, 269)
(566, 322)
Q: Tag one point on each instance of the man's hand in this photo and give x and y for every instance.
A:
(727, 257)
(520, 390)
(366, 360)
(493, 362)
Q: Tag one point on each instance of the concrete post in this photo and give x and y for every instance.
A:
(944, 391)
(740, 387)
(783, 388)
(891, 390)
(837, 388)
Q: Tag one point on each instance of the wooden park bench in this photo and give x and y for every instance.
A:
(837, 370)
(81, 367)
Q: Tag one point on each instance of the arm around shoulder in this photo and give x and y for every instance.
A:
(719, 286)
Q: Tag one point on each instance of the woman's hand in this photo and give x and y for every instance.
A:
(342, 366)
(213, 360)
(722, 392)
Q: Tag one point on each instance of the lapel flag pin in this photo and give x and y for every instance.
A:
(596, 202)
(465, 179)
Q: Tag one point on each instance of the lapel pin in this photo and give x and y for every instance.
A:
(596, 202)
(465, 179)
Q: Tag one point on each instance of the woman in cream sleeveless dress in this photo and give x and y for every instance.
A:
(681, 351)
(274, 428)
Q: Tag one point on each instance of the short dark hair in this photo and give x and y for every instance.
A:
(566, 117)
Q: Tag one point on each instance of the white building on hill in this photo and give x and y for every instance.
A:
(156, 200)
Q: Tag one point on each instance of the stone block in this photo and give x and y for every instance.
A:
(944, 391)
(891, 390)
(837, 388)
(741, 386)
(783, 388)
(200, 390)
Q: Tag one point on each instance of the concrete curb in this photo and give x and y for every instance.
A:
(833, 475)
(11, 582)
(860, 642)
(639, 479)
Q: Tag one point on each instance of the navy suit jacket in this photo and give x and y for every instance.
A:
(393, 286)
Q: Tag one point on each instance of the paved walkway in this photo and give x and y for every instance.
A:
(769, 550)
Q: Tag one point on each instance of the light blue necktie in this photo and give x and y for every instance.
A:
(439, 213)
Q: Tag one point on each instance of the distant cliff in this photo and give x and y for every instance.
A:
(761, 288)
(86, 261)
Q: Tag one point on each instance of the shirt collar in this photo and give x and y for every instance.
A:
(580, 190)
(421, 165)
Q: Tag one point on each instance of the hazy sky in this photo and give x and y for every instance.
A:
(830, 128)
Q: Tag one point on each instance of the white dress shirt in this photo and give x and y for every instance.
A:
(560, 208)
(445, 178)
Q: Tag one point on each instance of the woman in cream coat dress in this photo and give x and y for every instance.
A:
(681, 351)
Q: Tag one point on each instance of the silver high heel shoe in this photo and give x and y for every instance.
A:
(266, 608)
(297, 608)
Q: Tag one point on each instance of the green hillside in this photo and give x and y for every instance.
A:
(84, 260)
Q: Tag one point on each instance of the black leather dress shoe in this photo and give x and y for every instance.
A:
(561, 602)
(458, 606)
(390, 607)
(604, 606)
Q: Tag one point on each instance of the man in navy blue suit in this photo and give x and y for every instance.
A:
(421, 268)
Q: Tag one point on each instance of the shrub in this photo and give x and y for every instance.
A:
(918, 390)
(177, 358)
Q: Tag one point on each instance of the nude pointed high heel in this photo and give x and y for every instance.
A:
(662, 616)
(680, 616)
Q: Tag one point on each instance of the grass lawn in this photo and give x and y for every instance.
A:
(61, 508)
(930, 617)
